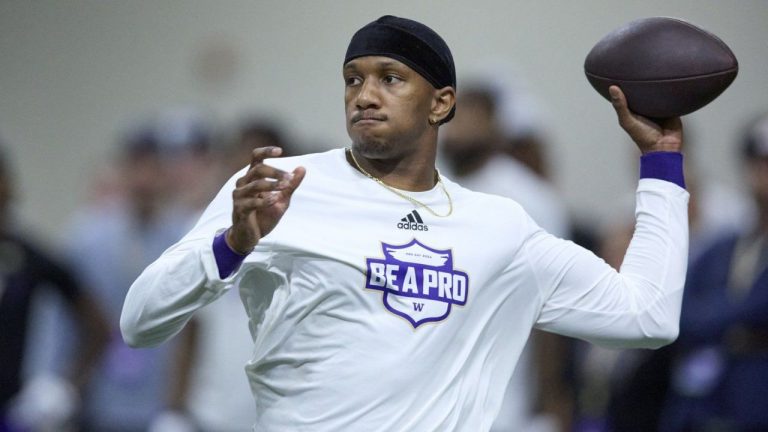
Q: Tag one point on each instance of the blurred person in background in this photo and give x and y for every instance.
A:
(190, 145)
(210, 385)
(45, 401)
(254, 132)
(109, 244)
(473, 150)
(720, 365)
(716, 209)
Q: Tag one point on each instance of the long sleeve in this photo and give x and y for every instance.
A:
(183, 279)
(639, 306)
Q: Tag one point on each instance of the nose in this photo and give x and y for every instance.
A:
(367, 96)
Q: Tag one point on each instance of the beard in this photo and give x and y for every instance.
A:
(372, 149)
(370, 145)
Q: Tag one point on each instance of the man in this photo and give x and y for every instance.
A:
(45, 401)
(109, 246)
(390, 298)
(721, 360)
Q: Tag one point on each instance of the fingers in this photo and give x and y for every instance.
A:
(265, 182)
(260, 153)
(297, 177)
(649, 134)
(246, 206)
(259, 171)
(261, 185)
(636, 126)
(619, 102)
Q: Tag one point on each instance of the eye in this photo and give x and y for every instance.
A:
(352, 80)
(392, 79)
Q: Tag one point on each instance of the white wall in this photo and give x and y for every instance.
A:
(73, 72)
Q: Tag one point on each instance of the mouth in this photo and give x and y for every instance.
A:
(367, 117)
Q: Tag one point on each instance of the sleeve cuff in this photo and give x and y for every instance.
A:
(227, 260)
(663, 166)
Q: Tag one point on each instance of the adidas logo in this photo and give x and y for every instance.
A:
(412, 222)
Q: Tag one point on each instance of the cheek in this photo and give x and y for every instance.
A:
(349, 98)
(415, 109)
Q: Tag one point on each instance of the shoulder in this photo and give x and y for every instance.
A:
(307, 160)
(496, 211)
(327, 161)
(481, 199)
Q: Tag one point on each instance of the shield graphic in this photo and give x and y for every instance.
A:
(418, 283)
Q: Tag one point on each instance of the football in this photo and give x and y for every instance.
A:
(666, 67)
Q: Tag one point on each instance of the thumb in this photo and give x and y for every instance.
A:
(298, 176)
(619, 102)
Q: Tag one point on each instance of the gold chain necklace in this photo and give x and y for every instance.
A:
(413, 200)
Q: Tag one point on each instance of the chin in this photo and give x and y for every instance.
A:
(371, 148)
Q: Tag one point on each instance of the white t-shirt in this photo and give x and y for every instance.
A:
(361, 324)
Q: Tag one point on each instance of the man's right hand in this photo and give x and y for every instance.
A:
(260, 199)
(649, 135)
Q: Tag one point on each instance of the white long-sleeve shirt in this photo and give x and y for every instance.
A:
(370, 315)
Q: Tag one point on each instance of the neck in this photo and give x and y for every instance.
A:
(415, 172)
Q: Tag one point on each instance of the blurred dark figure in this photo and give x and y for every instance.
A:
(256, 132)
(209, 389)
(720, 369)
(45, 401)
(472, 151)
(109, 245)
(531, 151)
(539, 396)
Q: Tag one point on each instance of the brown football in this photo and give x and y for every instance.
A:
(666, 67)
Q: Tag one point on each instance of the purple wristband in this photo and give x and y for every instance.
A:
(663, 166)
(227, 260)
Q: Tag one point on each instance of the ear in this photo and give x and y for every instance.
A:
(442, 103)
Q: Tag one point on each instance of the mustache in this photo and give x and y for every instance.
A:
(367, 115)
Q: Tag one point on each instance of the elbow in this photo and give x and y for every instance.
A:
(647, 332)
(663, 338)
(133, 335)
(659, 335)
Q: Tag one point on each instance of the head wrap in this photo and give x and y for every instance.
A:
(409, 42)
